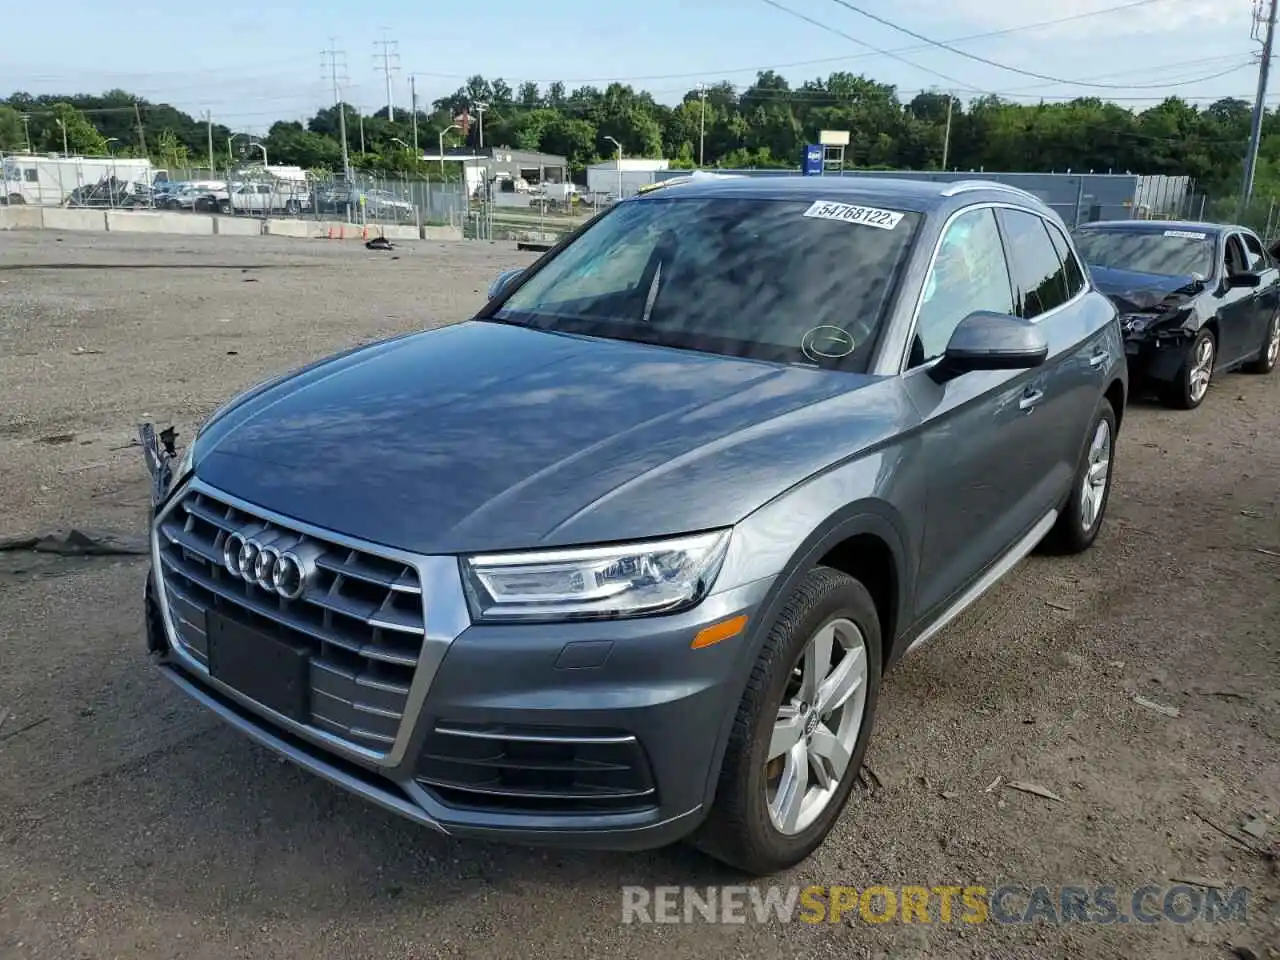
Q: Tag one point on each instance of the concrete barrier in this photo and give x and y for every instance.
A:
(65, 218)
(288, 228)
(184, 224)
(441, 233)
(237, 226)
(396, 231)
(20, 217)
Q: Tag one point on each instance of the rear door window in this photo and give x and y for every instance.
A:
(1074, 272)
(1038, 274)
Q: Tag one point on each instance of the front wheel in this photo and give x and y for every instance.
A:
(1189, 388)
(292, 208)
(801, 728)
(1081, 518)
(1270, 352)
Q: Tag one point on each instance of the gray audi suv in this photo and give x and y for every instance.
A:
(622, 559)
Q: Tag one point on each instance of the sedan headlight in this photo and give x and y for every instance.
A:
(626, 580)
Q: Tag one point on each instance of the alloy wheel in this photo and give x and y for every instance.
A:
(1273, 345)
(1201, 369)
(1093, 488)
(817, 726)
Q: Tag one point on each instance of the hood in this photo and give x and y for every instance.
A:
(485, 436)
(1146, 289)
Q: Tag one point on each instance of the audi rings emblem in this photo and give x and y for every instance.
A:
(264, 566)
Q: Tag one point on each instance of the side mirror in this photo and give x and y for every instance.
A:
(1246, 278)
(991, 341)
(504, 280)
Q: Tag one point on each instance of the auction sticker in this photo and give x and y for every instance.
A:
(1187, 234)
(852, 213)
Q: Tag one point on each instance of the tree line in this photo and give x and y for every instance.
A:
(763, 125)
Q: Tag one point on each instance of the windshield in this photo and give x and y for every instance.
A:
(790, 281)
(1169, 253)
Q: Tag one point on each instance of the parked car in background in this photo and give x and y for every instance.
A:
(1196, 300)
(202, 197)
(266, 197)
(837, 411)
(383, 205)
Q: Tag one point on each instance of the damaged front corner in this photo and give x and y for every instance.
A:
(158, 450)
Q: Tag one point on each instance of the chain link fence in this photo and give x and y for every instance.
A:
(242, 190)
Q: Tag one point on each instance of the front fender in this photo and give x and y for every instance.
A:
(785, 539)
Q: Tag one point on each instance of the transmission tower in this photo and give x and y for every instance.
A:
(388, 61)
(335, 63)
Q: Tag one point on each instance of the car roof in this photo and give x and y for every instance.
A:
(1152, 226)
(923, 196)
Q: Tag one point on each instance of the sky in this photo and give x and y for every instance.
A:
(252, 64)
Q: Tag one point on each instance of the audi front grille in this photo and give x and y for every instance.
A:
(355, 619)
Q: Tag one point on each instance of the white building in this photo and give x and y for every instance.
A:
(622, 178)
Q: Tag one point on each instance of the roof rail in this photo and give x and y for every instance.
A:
(687, 178)
(964, 186)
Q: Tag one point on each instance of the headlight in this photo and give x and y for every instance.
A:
(627, 580)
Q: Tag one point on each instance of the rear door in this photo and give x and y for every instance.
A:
(1050, 290)
(977, 436)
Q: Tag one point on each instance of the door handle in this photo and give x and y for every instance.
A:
(1098, 359)
(1030, 399)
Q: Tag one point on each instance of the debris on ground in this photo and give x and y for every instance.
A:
(80, 543)
(4, 715)
(994, 783)
(24, 728)
(379, 243)
(1266, 553)
(1256, 828)
(1033, 788)
(1168, 711)
(1199, 882)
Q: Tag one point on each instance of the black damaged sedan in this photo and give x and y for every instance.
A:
(1195, 300)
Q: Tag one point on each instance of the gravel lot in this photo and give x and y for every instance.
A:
(134, 825)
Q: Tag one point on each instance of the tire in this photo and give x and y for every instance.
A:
(224, 206)
(1081, 518)
(741, 829)
(292, 208)
(1270, 350)
(17, 199)
(1187, 391)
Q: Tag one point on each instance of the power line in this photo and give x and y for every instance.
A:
(942, 45)
(878, 50)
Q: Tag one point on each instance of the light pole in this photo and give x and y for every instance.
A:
(619, 146)
(480, 108)
(112, 154)
(255, 143)
(452, 126)
(407, 148)
(230, 139)
(65, 151)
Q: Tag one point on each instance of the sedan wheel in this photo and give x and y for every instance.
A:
(1270, 352)
(1192, 383)
(801, 728)
(817, 726)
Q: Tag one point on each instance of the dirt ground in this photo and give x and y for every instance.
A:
(134, 825)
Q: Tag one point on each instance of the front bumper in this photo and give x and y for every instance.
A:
(1153, 358)
(602, 734)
